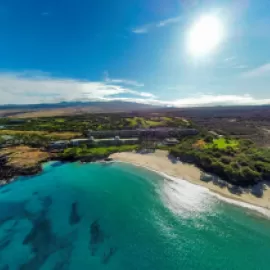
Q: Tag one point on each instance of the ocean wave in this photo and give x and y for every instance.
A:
(195, 197)
(199, 191)
(186, 199)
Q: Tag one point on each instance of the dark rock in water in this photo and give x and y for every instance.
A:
(41, 238)
(35, 263)
(5, 242)
(96, 237)
(8, 172)
(61, 265)
(5, 190)
(65, 259)
(11, 210)
(74, 217)
(40, 232)
(44, 243)
(107, 256)
(4, 220)
(11, 229)
(46, 201)
(5, 267)
(7, 237)
(57, 164)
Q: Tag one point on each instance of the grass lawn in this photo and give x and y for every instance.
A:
(165, 118)
(137, 121)
(77, 151)
(222, 143)
(133, 121)
(60, 120)
(145, 123)
(57, 135)
(151, 123)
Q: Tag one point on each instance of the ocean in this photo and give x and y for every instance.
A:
(118, 216)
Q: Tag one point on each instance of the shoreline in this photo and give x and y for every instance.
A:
(171, 169)
(161, 164)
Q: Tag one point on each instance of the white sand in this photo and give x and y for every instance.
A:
(159, 161)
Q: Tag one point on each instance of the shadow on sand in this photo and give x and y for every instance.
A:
(256, 190)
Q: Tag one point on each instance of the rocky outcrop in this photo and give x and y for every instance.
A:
(85, 158)
(20, 161)
(26, 161)
(8, 172)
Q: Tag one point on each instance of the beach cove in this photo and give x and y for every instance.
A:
(161, 163)
(118, 216)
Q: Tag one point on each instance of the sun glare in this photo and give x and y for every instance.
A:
(205, 35)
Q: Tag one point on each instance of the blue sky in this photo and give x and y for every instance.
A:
(64, 50)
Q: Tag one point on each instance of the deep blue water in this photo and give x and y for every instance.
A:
(96, 216)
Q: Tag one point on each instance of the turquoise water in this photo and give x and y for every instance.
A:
(96, 216)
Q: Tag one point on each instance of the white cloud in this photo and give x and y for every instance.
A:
(141, 30)
(22, 88)
(107, 79)
(168, 21)
(125, 82)
(260, 71)
(202, 100)
(147, 27)
(229, 59)
(214, 100)
(231, 62)
(240, 66)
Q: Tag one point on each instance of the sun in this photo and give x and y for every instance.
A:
(205, 35)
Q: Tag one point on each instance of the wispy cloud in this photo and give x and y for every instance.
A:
(22, 88)
(240, 66)
(107, 79)
(232, 62)
(143, 29)
(260, 71)
(229, 59)
(25, 89)
(215, 100)
(202, 101)
(169, 21)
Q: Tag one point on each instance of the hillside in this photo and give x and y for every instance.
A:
(69, 108)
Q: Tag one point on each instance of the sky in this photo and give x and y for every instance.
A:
(146, 51)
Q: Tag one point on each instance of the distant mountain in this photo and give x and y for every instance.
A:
(70, 108)
(101, 104)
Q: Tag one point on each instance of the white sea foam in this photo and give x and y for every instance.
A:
(259, 209)
(199, 197)
(186, 198)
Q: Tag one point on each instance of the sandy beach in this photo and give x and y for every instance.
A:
(160, 162)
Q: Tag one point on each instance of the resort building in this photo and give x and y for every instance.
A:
(103, 142)
(59, 144)
(170, 141)
(161, 132)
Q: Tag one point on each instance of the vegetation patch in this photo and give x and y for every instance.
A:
(54, 135)
(151, 123)
(77, 152)
(223, 143)
(237, 161)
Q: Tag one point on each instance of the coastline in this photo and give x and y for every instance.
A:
(29, 162)
(160, 163)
